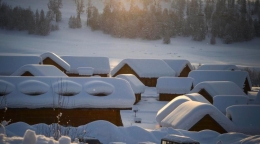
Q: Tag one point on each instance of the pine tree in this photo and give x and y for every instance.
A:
(213, 39)
(55, 6)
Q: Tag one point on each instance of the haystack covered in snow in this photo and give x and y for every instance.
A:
(245, 117)
(197, 116)
(218, 67)
(137, 86)
(38, 70)
(241, 78)
(10, 63)
(221, 102)
(171, 87)
(181, 67)
(51, 58)
(100, 65)
(146, 70)
(79, 100)
(209, 89)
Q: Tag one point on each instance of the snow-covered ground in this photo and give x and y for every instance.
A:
(84, 42)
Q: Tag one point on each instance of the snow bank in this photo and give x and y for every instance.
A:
(132, 134)
(6, 87)
(85, 70)
(178, 65)
(189, 113)
(221, 102)
(218, 67)
(179, 139)
(74, 92)
(218, 88)
(174, 85)
(29, 137)
(238, 77)
(137, 86)
(245, 117)
(56, 59)
(146, 68)
(100, 65)
(169, 107)
(39, 70)
(10, 63)
(33, 87)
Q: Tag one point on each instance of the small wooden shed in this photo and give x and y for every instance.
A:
(240, 78)
(209, 89)
(146, 70)
(180, 66)
(198, 116)
(171, 87)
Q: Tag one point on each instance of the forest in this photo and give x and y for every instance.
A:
(230, 20)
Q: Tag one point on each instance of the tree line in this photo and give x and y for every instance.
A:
(37, 22)
(230, 20)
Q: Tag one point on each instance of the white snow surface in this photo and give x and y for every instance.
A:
(169, 107)
(99, 87)
(179, 139)
(33, 87)
(10, 63)
(174, 85)
(189, 113)
(217, 67)
(197, 97)
(100, 65)
(56, 59)
(221, 102)
(85, 70)
(6, 87)
(137, 86)
(70, 90)
(238, 77)
(39, 70)
(218, 88)
(245, 117)
(146, 68)
(178, 65)
(107, 132)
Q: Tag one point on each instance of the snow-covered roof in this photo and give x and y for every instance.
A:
(169, 107)
(218, 67)
(39, 70)
(179, 139)
(56, 59)
(197, 97)
(245, 117)
(85, 70)
(174, 85)
(189, 113)
(178, 65)
(238, 77)
(221, 102)
(137, 86)
(75, 92)
(10, 63)
(146, 68)
(99, 64)
(218, 88)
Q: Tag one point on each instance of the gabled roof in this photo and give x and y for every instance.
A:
(99, 64)
(10, 63)
(178, 65)
(56, 59)
(218, 88)
(238, 77)
(146, 68)
(174, 85)
(218, 67)
(39, 70)
(136, 84)
(189, 113)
